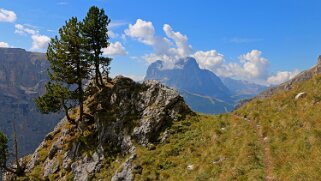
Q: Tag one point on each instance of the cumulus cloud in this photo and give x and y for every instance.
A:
(142, 30)
(39, 42)
(281, 77)
(252, 66)
(182, 49)
(209, 59)
(7, 16)
(169, 48)
(115, 49)
(4, 44)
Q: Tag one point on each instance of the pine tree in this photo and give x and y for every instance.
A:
(57, 97)
(19, 171)
(3, 151)
(68, 71)
(95, 32)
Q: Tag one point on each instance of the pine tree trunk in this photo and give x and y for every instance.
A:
(101, 80)
(15, 143)
(72, 121)
(98, 75)
(19, 170)
(81, 101)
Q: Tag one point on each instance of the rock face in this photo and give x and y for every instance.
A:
(22, 78)
(125, 113)
(186, 75)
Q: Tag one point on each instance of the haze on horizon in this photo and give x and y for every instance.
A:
(266, 42)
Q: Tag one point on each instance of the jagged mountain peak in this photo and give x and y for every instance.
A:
(189, 77)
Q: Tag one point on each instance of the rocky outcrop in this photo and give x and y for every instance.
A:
(22, 78)
(126, 113)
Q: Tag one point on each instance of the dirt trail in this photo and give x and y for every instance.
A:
(267, 158)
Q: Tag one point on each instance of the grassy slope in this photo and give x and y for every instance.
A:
(227, 147)
(293, 130)
(218, 147)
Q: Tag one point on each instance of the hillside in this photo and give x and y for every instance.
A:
(152, 136)
(290, 124)
(22, 78)
(155, 136)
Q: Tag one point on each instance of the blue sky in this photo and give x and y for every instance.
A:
(266, 41)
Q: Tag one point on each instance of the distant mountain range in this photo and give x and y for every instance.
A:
(22, 78)
(203, 91)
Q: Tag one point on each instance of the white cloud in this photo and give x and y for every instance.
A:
(112, 34)
(281, 77)
(142, 30)
(117, 23)
(183, 49)
(7, 16)
(209, 59)
(251, 66)
(115, 49)
(39, 42)
(25, 29)
(169, 48)
(254, 65)
(4, 45)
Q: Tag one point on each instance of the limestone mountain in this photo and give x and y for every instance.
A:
(203, 91)
(22, 78)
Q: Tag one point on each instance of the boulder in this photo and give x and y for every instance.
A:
(300, 95)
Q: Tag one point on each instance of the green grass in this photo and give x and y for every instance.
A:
(218, 147)
(293, 128)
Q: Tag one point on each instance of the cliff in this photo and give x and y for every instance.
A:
(22, 78)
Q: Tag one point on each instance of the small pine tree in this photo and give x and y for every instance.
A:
(68, 71)
(95, 33)
(19, 171)
(57, 97)
(3, 152)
